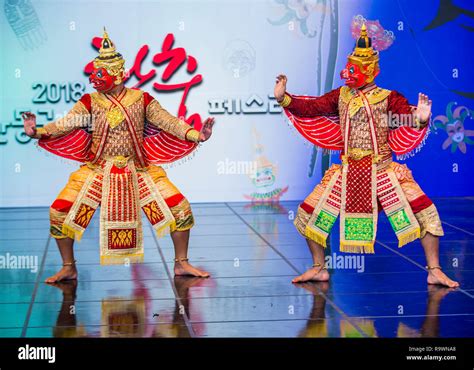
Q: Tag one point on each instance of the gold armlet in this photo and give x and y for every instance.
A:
(192, 135)
(286, 101)
(40, 131)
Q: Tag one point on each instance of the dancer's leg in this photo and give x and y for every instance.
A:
(182, 266)
(317, 272)
(430, 244)
(68, 271)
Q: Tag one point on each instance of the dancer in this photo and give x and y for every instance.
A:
(121, 135)
(368, 124)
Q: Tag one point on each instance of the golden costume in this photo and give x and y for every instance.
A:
(358, 122)
(121, 139)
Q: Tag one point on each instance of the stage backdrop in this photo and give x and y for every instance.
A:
(220, 58)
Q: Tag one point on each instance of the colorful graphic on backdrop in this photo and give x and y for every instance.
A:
(264, 177)
(174, 58)
(453, 124)
(24, 21)
(239, 58)
(49, 94)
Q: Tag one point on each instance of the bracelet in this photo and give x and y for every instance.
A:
(192, 135)
(40, 131)
(433, 267)
(184, 259)
(286, 101)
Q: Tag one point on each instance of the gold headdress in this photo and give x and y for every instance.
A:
(110, 59)
(364, 55)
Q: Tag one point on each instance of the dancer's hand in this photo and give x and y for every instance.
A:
(280, 87)
(423, 110)
(29, 123)
(206, 131)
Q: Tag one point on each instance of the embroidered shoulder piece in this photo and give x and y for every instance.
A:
(101, 100)
(349, 96)
(131, 96)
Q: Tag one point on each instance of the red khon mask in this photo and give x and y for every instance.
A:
(363, 63)
(108, 69)
(354, 77)
(101, 80)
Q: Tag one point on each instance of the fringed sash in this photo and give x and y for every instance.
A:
(354, 191)
(121, 192)
(120, 222)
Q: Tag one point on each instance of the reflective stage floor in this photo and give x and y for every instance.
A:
(252, 252)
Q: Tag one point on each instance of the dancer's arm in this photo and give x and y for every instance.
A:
(78, 117)
(315, 118)
(408, 124)
(161, 118)
(404, 114)
(306, 106)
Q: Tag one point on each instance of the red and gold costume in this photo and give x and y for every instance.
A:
(121, 139)
(357, 121)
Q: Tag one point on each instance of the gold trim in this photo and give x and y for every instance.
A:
(119, 161)
(193, 135)
(354, 101)
(286, 101)
(114, 117)
(40, 131)
(101, 100)
(357, 153)
(131, 97)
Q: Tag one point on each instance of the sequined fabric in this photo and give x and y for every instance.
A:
(359, 136)
(428, 218)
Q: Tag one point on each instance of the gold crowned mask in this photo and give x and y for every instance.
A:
(110, 59)
(365, 56)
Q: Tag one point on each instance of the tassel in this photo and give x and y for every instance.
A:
(121, 259)
(66, 161)
(416, 150)
(316, 236)
(181, 161)
(357, 247)
(166, 229)
(408, 237)
(71, 233)
(305, 142)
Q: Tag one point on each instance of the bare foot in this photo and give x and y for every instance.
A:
(184, 268)
(438, 277)
(66, 273)
(313, 274)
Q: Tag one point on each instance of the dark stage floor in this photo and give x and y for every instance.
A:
(252, 253)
